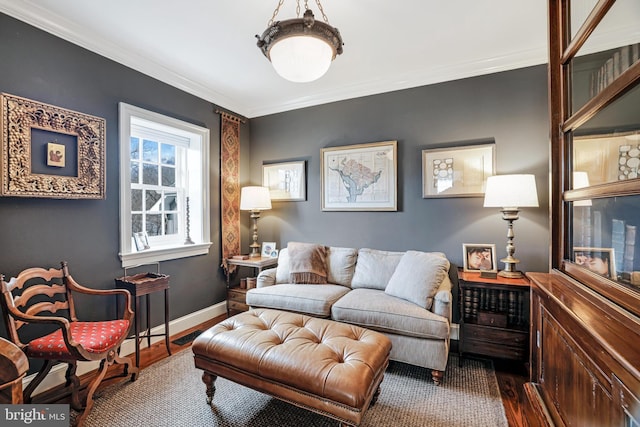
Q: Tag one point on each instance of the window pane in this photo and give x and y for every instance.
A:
(150, 174)
(171, 224)
(136, 200)
(605, 239)
(134, 143)
(154, 225)
(152, 200)
(168, 176)
(135, 172)
(149, 151)
(136, 223)
(170, 202)
(168, 154)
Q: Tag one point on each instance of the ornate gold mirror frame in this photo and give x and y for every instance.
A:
(49, 151)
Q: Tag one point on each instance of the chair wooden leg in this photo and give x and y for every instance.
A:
(42, 373)
(93, 385)
(129, 367)
(74, 382)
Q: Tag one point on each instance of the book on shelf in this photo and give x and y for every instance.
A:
(618, 241)
(629, 247)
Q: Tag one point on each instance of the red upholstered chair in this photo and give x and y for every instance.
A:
(39, 296)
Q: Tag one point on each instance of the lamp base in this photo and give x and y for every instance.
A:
(510, 274)
(510, 271)
(255, 251)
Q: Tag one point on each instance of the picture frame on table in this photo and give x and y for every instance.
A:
(286, 181)
(362, 177)
(479, 257)
(54, 153)
(459, 171)
(601, 261)
(268, 249)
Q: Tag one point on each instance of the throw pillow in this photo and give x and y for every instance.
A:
(418, 277)
(307, 263)
(374, 268)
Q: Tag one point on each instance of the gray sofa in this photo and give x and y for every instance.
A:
(405, 295)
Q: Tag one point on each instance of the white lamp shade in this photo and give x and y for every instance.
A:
(511, 191)
(255, 198)
(301, 59)
(581, 180)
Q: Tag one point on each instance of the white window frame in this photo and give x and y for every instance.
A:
(195, 182)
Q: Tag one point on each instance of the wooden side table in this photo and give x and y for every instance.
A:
(237, 296)
(494, 316)
(140, 285)
(13, 367)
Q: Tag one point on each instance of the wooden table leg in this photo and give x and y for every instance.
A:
(166, 320)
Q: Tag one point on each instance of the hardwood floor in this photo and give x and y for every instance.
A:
(511, 376)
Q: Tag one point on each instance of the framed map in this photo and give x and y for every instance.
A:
(360, 177)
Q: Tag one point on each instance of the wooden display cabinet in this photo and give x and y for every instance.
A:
(494, 317)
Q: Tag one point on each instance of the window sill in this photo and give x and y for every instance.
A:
(153, 255)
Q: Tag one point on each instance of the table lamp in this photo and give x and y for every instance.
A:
(510, 192)
(255, 199)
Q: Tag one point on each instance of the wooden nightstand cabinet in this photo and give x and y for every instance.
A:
(494, 316)
(236, 300)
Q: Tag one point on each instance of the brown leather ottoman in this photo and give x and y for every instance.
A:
(324, 366)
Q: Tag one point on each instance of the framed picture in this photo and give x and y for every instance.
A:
(285, 181)
(599, 260)
(360, 177)
(141, 240)
(479, 257)
(49, 151)
(457, 171)
(268, 248)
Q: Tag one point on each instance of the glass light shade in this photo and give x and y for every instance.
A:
(511, 191)
(255, 198)
(301, 59)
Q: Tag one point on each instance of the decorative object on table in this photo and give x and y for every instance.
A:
(285, 181)
(601, 261)
(457, 171)
(360, 177)
(479, 257)
(255, 199)
(230, 186)
(268, 248)
(49, 151)
(141, 240)
(300, 49)
(251, 282)
(511, 192)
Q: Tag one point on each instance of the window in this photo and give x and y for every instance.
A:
(164, 187)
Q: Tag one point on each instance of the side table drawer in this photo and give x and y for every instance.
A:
(495, 335)
(237, 294)
(237, 306)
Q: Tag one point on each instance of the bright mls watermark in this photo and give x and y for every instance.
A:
(34, 415)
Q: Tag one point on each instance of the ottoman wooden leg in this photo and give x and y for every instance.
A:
(208, 380)
(437, 376)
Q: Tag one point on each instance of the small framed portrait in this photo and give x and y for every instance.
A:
(599, 260)
(268, 248)
(479, 257)
(141, 240)
(55, 155)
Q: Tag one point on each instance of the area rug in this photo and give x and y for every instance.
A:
(171, 393)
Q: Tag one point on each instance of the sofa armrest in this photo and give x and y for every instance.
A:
(266, 278)
(443, 300)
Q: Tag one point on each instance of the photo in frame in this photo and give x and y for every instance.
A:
(601, 261)
(268, 249)
(286, 181)
(360, 177)
(30, 131)
(479, 257)
(457, 171)
(141, 240)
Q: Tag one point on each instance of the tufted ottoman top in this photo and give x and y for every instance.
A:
(327, 359)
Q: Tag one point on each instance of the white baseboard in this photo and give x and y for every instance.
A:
(56, 375)
(455, 331)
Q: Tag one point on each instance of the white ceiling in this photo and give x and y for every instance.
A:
(208, 47)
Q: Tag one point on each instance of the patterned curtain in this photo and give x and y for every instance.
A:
(230, 176)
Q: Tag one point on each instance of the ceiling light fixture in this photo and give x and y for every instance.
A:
(300, 49)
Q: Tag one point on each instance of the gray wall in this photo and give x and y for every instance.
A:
(42, 232)
(508, 107)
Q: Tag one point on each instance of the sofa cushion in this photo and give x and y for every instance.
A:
(341, 263)
(307, 263)
(376, 310)
(374, 268)
(315, 300)
(418, 277)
